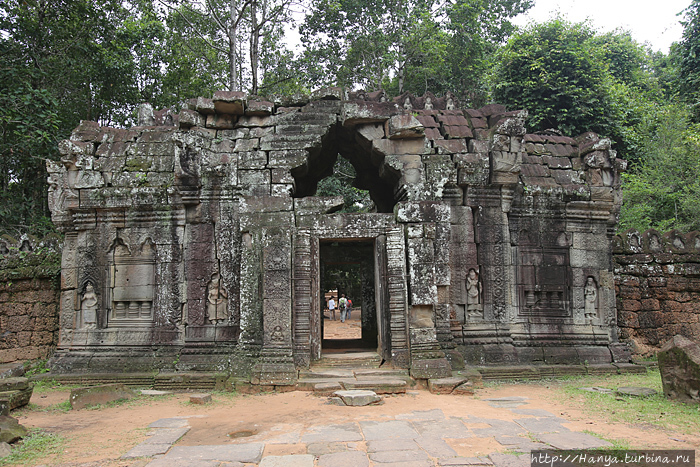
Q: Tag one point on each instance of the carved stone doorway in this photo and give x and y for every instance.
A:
(347, 266)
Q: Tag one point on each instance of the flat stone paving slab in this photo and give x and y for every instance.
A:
(436, 447)
(520, 444)
(435, 414)
(147, 450)
(466, 462)
(542, 425)
(573, 440)
(294, 460)
(416, 463)
(510, 460)
(394, 429)
(170, 423)
(330, 433)
(533, 412)
(166, 435)
(251, 453)
(392, 445)
(450, 428)
(165, 462)
(344, 459)
(506, 402)
(319, 449)
(398, 456)
(497, 427)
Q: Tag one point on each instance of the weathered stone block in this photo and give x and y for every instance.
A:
(404, 126)
(679, 363)
(358, 398)
(221, 121)
(200, 399)
(444, 385)
(10, 430)
(96, 395)
(230, 102)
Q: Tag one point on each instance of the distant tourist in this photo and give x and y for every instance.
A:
(342, 304)
(331, 308)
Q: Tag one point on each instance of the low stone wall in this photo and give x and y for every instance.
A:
(29, 298)
(657, 285)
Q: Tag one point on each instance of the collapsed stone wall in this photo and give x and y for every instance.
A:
(29, 297)
(657, 283)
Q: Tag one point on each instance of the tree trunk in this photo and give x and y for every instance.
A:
(233, 69)
(254, 45)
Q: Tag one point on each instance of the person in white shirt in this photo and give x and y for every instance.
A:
(331, 308)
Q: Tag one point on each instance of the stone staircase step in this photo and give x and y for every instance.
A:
(379, 385)
(350, 360)
(330, 373)
(308, 384)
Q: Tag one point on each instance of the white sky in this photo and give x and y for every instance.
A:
(650, 22)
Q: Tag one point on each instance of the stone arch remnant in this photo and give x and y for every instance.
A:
(199, 236)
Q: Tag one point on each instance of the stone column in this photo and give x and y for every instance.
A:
(276, 363)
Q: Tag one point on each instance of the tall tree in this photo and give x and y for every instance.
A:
(60, 61)
(414, 45)
(225, 31)
(571, 79)
(689, 54)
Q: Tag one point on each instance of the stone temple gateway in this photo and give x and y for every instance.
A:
(195, 241)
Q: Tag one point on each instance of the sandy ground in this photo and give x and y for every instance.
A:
(350, 329)
(99, 437)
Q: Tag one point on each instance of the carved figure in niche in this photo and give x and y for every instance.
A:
(428, 103)
(450, 104)
(407, 104)
(88, 306)
(590, 293)
(277, 335)
(217, 301)
(474, 305)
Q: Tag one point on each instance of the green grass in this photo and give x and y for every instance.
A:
(655, 411)
(37, 445)
(51, 385)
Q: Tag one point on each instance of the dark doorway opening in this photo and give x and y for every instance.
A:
(347, 268)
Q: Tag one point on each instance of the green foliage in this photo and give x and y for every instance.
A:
(551, 70)
(38, 445)
(62, 61)
(571, 79)
(689, 59)
(36, 367)
(40, 263)
(663, 190)
(413, 46)
(340, 184)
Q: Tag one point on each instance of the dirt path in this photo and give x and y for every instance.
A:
(102, 435)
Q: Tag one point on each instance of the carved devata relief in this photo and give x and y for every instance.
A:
(475, 306)
(590, 295)
(132, 284)
(89, 307)
(217, 301)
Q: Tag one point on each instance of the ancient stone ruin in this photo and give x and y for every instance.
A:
(194, 241)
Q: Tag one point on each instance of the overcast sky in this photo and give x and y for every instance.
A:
(653, 22)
